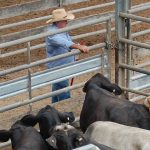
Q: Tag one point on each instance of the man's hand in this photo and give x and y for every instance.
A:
(82, 48)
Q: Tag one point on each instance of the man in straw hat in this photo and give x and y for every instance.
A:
(59, 44)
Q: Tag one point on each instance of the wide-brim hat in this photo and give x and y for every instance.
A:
(59, 15)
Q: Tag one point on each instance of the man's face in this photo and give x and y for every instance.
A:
(61, 24)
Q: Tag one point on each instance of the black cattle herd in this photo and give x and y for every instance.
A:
(56, 131)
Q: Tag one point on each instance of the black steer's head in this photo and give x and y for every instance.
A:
(102, 82)
(14, 133)
(65, 137)
(48, 117)
(17, 127)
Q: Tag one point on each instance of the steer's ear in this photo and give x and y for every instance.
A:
(85, 87)
(66, 117)
(116, 89)
(4, 135)
(29, 120)
(79, 141)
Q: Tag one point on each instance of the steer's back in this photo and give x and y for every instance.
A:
(119, 136)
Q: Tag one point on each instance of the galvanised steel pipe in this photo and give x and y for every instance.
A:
(135, 99)
(26, 66)
(92, 7)
(134, 17)
(135, 9)
(2, 145)
(139, 8)
(38, 36)
(41, 97)
(38, 98)
(49, 16)
(19, 51)
(140, 33)
(143, 65)
(135, 43)
(134, 91)
(125, 66)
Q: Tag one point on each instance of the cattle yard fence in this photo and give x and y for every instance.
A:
(125, 43)
(47, 77)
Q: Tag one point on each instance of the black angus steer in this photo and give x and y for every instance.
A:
(66, 137)
(48, 117)
(101, 105)
(24, 138)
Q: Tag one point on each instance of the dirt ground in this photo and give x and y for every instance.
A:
(74, 104)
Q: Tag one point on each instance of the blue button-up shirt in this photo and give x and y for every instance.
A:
(58, 44)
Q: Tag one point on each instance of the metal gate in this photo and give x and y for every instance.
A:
(33, 81)
(124, 46)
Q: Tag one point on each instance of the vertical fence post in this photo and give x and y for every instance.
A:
(60, 3)
(29, 76)
(121, 6)
(129, 51)
(108, 47)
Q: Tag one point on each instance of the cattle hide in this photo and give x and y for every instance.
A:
(119, 136)
(101, 105)
(66, 137)
(48, 117)
(24, 138)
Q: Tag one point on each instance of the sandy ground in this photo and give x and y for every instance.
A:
(75, 103)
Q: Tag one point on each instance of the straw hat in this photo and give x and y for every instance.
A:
(59, 15)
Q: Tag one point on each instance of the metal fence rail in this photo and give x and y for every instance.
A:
(50, 76)
(140, 82)
(135, 43)
(26, 66)
(6, 12)
(19, 51)
(38, 36)
(88, 147)
(134, 17)
(139, 8)
(39, 98)
(41, 29)
(135, 9)
(49, 16)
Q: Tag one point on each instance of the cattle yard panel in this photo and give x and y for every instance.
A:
(88, 65)
(22, 84)
(124, 39)
(24, 50)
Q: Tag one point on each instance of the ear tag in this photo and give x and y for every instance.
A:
(52, 141)
(114, 90)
